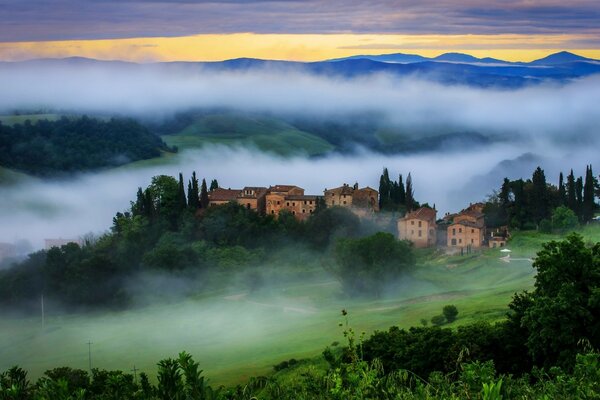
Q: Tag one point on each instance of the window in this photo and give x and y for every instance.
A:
(304, 201)
(294, 204)
(288, 203)
(472, 230)
(293, 212)
(278, 202)
(459, 230)
(248, 206)
(344, 201)
(412, 222)
(419, 233)
(331, 194)
(472, 241)
(310, 211)
(272, 211)
(453, 242)
(303, 211)
(419, 224)
(453, 231)
(459, 240)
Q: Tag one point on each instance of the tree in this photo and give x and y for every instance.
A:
(563, 309)
(193, 193)
(401, 191)
(539, 196)
(384, 189)
(571, 196)
(410, 199)
(367, 264)
(181, 198)
(589, 205)
(204, 195)
(450, 312)
(579, 196)
(562, 194)
(214, 185)
(438, 320)
(563, 218)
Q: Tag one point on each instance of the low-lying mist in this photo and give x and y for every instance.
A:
(38, 209)
(410, 102)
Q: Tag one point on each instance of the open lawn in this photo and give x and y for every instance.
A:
(237, 334)
(263, 133)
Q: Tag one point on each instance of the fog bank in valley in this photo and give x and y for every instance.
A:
(41, 209)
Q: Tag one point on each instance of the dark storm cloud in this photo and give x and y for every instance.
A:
(33, 20)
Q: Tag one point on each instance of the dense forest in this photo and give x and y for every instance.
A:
(170, 230)
(546, 348)
(75, 144)
(536, 204)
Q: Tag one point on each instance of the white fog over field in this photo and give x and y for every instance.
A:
(40, 209)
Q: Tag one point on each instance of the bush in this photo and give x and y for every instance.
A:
(450, 312)
(545, 226)
(438, 320)
(563, 218)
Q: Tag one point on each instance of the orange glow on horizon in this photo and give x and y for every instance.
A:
(296, 47)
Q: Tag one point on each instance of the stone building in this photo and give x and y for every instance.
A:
(253, 198)
(351, 196)
(467, 230)
(419, 227)
(220, 196)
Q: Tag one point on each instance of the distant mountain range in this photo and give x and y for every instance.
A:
(448, 68)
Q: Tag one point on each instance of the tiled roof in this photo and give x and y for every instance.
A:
(220, 194)
(423, 213)
(470, 224)
(344, 189)
(258, 192)
(282, 188)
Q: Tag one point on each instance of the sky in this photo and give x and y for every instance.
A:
(302, 30)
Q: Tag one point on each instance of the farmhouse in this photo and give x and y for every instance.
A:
(467, 229)
(219, 196)
(351, 196)
(419, 227)
(253, 198)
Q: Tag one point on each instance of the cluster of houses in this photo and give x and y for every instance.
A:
(464, 230)
(275, 199)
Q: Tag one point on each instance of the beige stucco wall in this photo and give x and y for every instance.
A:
(462, 236)
(421, 233)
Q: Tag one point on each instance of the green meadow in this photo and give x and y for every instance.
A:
(236, 334)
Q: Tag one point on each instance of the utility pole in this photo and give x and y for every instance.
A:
(134, 370)
(43, 316)
(90, 354)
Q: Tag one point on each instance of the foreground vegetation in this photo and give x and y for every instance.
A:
(529, 355)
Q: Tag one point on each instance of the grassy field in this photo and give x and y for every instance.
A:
(235, 334)
(266, 134)
(19, 119)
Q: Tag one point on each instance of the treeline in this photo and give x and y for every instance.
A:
(395, 195)
(536, 204)
(547, 348)
(169, 229)
(76, 144)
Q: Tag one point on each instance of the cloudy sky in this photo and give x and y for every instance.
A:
(150, 30)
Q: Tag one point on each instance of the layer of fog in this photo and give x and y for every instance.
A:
(39, 209)
(566, 110)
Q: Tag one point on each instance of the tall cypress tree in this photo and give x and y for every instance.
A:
(588, 205)
(384, 189)
(410, 199)
(562, 194)
(539, 196)
(181, 200)
(504, 199)
(571, 195)
(203, 194)
(193, 193)
(579, 197)
(137, 208)
(402, 191)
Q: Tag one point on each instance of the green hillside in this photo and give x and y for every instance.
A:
(266, 134)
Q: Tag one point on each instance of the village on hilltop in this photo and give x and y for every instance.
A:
(464, 230)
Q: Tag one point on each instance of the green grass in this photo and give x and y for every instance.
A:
(265, 134)
(236, 337)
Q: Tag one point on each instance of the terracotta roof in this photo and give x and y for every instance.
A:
(423, 213)
(257, 190)
(344, 189)
(367, 188)
(220, 194)
(473, 213)
(470, 224)
(283, 188)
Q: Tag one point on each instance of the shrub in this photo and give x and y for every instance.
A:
(438, 320)
(450, 312)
